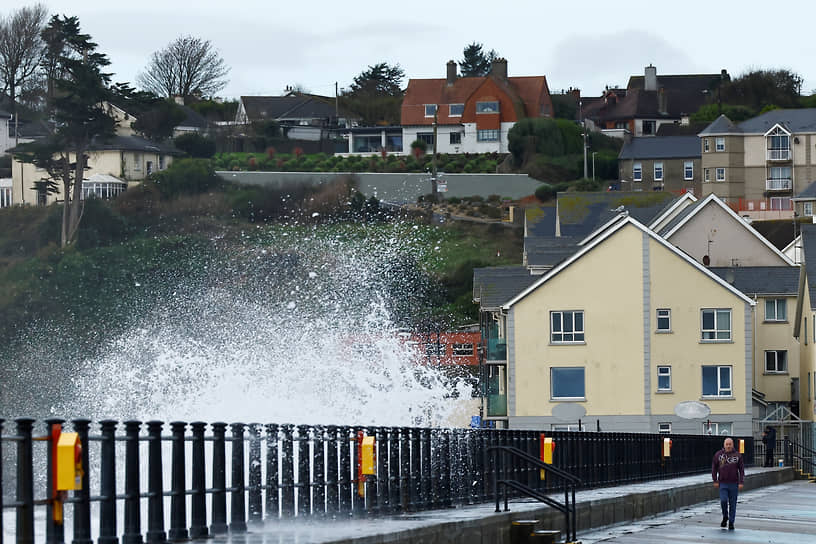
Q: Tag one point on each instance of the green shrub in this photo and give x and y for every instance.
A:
(187, 176)
(195, 145)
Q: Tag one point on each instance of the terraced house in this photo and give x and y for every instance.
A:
(760, 164)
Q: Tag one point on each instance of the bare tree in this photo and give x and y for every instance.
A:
(21, 49)
(188, 66)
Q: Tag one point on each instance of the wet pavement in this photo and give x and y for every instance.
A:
(783, 514)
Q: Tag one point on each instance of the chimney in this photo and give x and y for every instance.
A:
(451, 72)
(499, 69)
(650, 80)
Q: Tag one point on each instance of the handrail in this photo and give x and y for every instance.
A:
(571, 481)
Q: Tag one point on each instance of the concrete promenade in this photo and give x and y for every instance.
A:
(777, 508)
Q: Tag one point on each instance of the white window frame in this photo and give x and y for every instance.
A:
(427, 137)
(688, 170)
(706, 145)
(718, 428)
(721, 390)
(457, 136)
(487, 135)
(430, 107)
(658, 171)
(462, 349)
(707, 174)
(807, 209)
(436, 349)
(450, 110)
(719, 144)
(776, 303)
(716, 331)
(778, 359)
(137, 162)
(552, 383)
(719, 173)
(558, 317)
(664, 371)
(570, 427)
(637, 171)
(480, 107)
(664, 428)
(663, 313)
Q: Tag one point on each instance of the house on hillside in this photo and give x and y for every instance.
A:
(651, 100)
(758, 165)
(664, 163)
(303, 116)
(472, 114)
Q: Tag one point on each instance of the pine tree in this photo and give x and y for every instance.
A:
(475, 62)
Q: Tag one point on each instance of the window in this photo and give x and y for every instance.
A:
(137, 162)
(807, 208)
(456, 110)
(487, 135)
(462, 350)
(716, 325)
(719, 143)
(776, 361)
(161, 162)
(487, 107)
(149, 167)
(664, 378)
(658, 171)
(780, 203)
(706, 146)
(426, 137)
(776, 309)
(567, 383)
(688, 170)
(778, 142)
(648, 127)
(104, 190)
(720, 173)
(573, 427)
(435, 349)
(430, 110)
(567, 327)
(707, 174)
(637, 172)
(716, 381)
(455, 138)
(663, 320)
(719, 429)
(664, 428)
(5, 197)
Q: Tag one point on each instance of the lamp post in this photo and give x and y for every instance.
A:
(593, 164)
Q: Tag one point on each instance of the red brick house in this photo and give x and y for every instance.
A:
(473, 114)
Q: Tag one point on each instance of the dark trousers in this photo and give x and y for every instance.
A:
(769, 457)
(728, 500)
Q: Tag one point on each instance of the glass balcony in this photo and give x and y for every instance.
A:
(778, 184)
(496, 405)
(496, 349)
(778, 154)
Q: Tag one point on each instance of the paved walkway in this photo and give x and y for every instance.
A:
(783, 514)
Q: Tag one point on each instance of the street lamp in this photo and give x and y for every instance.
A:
(593, 164)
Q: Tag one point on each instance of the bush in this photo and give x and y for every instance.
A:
(187, 176)
(545, 192)
(422, 145)
(195, 145)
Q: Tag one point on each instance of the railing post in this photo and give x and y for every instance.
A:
(445, 468)
(178, 487)
(332, 473)
(426, 477)
(404, 497)
(416, 466)
(788, 452)
(133, 522)
(107, 481)
(344, 477)
(54, 532)
(381, 489)
(304, 494)
(394, 482)
(219, 479)
(237, 500)
(358, 502)
(25, 482)
(82, 508)
(255, 494)
(272, 500)
(287, 472)
(155, 488)
(318, 469)
(198, 507)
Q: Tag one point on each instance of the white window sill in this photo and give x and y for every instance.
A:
(567, 399)
(731, 397)
(664, 392)
(659, 331)
(769, 373)
(775, 321)
(581, 343)
(716, 341)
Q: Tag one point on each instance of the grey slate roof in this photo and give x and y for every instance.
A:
(496, 285)
(721, 125)
(540, 221)
(809, 252)
(794, 120)
(260, 108)
(582, 213)
(548, 251)
(661, 147)
(132, 143)
(761, 280)
(193, 118)
(809, 192)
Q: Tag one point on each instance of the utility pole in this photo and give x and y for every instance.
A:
(583, 123)
(434, 189)
(336, 105)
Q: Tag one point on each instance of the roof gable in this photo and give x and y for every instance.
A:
(628, 222)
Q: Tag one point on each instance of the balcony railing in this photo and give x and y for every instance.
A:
(779, 154)
(496, 405)
(496, 349)
(778, 184)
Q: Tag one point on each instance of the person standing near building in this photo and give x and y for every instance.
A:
(769, 440)
(728, 473)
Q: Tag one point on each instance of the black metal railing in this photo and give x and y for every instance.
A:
(505, 457)
(799, 456)
(238, 475)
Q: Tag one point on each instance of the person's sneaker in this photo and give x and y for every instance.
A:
(730, 526)
(724, 522)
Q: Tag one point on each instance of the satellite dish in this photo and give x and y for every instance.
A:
(692, 409)
(568, 411)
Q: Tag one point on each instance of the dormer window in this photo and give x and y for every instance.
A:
(456, 110)
(430, 110)
(487, 107)
(778, 145)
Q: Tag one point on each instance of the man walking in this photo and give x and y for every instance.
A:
(728, 473)
(769, 440)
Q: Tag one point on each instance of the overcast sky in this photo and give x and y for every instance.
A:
(271, 44)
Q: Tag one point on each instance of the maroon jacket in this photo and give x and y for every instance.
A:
(728, 468)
